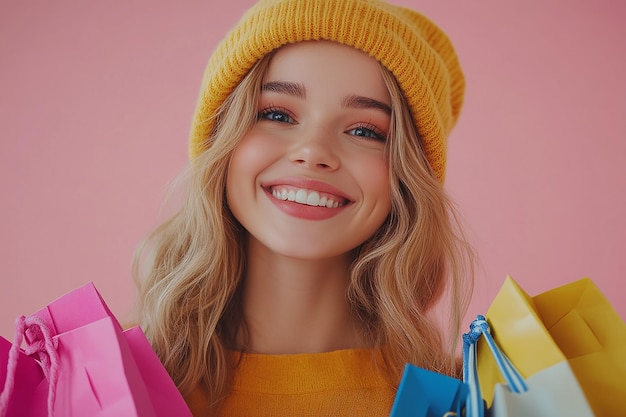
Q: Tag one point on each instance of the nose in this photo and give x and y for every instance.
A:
(315, 149)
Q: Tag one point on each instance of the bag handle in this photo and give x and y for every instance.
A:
(42, 347)
(516, 383)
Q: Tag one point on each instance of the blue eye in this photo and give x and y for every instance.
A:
(368, 131)
(275, 115)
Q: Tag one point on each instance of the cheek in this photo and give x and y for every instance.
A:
(245, 153)
(250, 158)
(239, 172)
(375, 177)
(247, 159)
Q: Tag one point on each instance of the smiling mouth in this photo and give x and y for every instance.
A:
(307, 197)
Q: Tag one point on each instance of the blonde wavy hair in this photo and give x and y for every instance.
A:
(189, 269)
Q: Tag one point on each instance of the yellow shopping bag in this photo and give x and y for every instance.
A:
(573, 323)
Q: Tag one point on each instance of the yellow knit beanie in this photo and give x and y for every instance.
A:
(414, 49)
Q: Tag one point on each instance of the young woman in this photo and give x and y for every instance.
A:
(315, 240)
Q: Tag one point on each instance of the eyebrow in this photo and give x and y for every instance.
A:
(361, 102)
(298, 90)
(285, 87)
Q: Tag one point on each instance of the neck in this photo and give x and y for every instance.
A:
(297, 306)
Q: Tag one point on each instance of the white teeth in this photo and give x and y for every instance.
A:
(313, 199)
(302, 196)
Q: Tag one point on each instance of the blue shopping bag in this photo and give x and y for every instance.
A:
(424, 393)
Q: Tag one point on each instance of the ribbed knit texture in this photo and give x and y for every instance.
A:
(415, 50)
(340, 383)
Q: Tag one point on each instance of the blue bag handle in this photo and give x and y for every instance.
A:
(475, 406)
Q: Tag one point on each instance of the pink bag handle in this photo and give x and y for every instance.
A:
(42, 347)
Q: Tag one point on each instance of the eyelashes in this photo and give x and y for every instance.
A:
(275, 114)
(364, 130)
(368, 130)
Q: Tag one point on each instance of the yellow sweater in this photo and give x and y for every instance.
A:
(339, 383)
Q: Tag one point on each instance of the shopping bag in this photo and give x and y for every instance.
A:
(573, 323)
(424, 393)
(551, 392)
(28, 376)
(88, 365)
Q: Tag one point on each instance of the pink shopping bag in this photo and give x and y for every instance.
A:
(87, 365)
(28, 375)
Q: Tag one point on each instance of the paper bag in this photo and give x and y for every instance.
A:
(551, 392)
(89, 365)
(28, 375)
(574, 323)
(424, 393)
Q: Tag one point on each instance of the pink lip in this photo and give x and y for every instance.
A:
(303, 211)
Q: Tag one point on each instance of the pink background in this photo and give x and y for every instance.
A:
(96, 99)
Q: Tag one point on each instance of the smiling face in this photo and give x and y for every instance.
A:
(310, 180)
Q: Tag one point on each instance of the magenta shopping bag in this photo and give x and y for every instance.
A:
(78, 361)
(28, 375)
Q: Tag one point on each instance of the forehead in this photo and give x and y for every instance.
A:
(336, 67)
